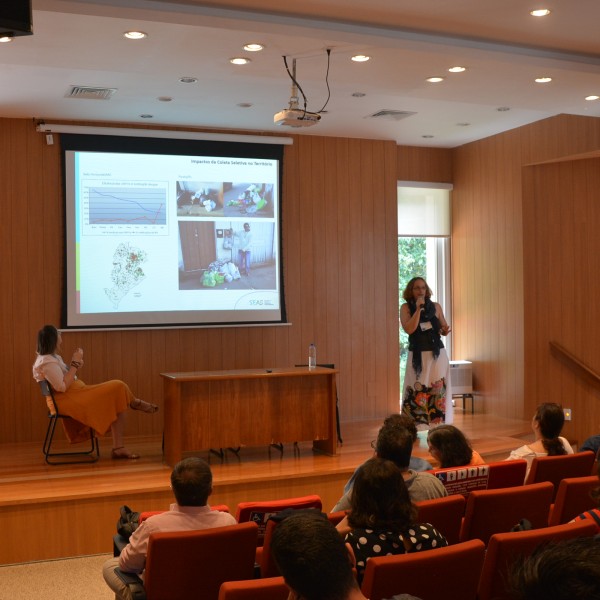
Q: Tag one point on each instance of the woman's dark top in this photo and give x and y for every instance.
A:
(424, 340)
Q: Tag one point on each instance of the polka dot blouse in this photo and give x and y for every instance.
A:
(367, 543)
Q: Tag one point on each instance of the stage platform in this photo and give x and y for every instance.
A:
(59, 511)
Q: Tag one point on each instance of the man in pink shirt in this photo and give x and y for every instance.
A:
(191, 481)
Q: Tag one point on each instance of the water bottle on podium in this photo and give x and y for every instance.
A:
(312, 356)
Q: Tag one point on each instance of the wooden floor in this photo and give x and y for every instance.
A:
(58, 511)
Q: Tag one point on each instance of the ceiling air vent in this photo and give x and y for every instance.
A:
(392, 115)
(90, 93)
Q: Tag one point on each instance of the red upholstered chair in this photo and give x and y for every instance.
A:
(183, 565)
(451, 573)
(259, 512)
(445, 514)
(273, 588)
(573, 498)
(504, 548)
(557, 468)
(335, 517)
(497, 511)
(463, 480)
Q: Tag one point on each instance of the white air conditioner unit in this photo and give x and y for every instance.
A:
(461, 377)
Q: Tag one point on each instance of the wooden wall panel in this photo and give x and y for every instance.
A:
(562, 202)
(425, 164)
(340, 260)
(501, 237)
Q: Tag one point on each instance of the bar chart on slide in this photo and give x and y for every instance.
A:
(124, 207)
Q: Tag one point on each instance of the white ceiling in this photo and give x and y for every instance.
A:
(81, 43)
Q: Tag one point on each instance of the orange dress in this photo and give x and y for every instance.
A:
(96, 406)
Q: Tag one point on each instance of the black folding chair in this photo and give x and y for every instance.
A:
(85, 456)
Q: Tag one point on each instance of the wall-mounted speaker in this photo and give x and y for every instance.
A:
(15, 18)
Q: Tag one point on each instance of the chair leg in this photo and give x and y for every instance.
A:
(85, 456)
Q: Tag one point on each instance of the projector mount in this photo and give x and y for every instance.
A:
(294, 116)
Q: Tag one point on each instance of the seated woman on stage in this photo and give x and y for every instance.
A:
(101, 407)
(382, 519)
(547, 423)
(448, 445)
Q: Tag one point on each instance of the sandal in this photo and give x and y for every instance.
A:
(144, 406)
(122, 452)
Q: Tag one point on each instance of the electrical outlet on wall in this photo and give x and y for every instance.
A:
(568, 414)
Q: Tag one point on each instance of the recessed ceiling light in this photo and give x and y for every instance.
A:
(361, 58)
(253, 47)
(135, 35)
(457, 69)
(164, 98)
(6, 38)
(592, 98)
(146, 116)
(188, 80)
(358, 94)
(435, 79)
(540, 12)
(543, 79)
(239, 60)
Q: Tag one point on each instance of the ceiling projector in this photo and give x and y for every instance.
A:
(296, 117)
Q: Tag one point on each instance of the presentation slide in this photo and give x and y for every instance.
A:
(171, 239)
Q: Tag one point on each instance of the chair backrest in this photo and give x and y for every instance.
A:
(445, 514)
(497, 511)
(504, 548)
(557, 468)
(573, 498)
(193, 564)
(451, 573)
(272, 588)
(259, 512)
(463, 480)
(335, 517)
(48, 394)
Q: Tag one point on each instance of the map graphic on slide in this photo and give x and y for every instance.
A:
(123, 205)
(126, 273)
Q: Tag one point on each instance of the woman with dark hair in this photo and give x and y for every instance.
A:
(426, 394)
(448, 445)
(101, 407)
(547, 423)
(382, 518)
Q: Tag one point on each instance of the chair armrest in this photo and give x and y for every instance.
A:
(133, 582)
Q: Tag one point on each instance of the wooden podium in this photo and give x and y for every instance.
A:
(249, 407)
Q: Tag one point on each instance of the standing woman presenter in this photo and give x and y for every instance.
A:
(426, 395)
(101, 406)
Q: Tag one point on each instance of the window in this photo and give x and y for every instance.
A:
(424, 248)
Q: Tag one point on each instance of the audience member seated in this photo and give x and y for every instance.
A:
(592, 443)
(191, 480)
(382, 518)
(101, 406)
(314, 561)
(395, 443)
(547, 423)
(448, 445)
(399, 420)
(565, 570)
(594, 513)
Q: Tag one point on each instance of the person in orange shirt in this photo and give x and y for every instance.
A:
(448, 445)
